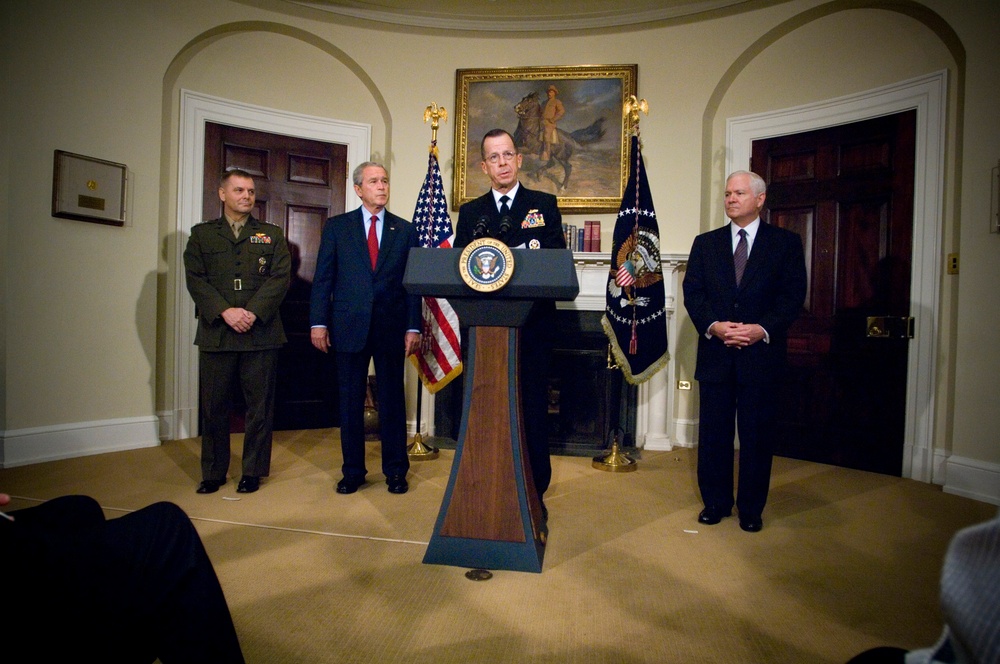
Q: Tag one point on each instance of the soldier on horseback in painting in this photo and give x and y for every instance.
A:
(551, 114)
(537, 134)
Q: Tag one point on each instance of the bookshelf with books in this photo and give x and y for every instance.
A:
(586, 239)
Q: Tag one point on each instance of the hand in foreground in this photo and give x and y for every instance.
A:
(4, 499)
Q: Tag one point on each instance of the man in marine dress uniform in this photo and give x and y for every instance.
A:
(238, 269)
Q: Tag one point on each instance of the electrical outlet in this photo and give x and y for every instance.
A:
(683, 385)
(952, 264)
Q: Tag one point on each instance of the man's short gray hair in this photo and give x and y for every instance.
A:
(360, 168)
(757, 184)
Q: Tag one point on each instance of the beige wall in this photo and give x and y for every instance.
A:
(84, 305)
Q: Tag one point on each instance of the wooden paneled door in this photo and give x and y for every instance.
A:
(848, 191)
(300, 183)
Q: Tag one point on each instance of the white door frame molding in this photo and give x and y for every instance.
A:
(195, 110)
(928, 95)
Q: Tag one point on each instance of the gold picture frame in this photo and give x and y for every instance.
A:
(88, 189)
(590, 172)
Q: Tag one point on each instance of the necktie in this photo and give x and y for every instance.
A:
(373, 242)
(504, 207)
(236, 229)
(740, 256)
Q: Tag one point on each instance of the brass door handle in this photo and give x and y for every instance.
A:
(890, 327)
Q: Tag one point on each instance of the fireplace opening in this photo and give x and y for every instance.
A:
(586, 399)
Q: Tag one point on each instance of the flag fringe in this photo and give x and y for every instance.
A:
(434, 387)
(624, 362)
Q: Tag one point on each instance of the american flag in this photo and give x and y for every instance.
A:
(440, 356)
(635, 318)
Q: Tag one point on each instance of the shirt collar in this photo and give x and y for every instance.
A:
(368, 215)
(750, 228)
(510, 194)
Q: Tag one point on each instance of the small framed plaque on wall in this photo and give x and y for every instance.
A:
(88, 189)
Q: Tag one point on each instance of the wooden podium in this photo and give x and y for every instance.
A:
(491, 516)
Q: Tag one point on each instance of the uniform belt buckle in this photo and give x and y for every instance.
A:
(237, 284)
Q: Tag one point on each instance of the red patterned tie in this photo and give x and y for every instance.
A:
(740, 256)
(373, 242)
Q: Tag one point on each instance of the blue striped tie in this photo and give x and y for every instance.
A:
(740, 256)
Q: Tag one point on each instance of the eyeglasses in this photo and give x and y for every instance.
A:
(495, 157)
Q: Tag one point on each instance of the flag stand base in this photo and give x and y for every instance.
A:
(417, 451)
(616, 461)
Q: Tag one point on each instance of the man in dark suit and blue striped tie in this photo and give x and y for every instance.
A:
(744, 287)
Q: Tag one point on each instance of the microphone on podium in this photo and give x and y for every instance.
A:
(482, 228)
(505, 225)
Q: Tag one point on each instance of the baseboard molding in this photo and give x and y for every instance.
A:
(657, 443)
(972, 478)
(22, 447)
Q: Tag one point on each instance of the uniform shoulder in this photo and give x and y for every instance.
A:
(539, 197)
(475, 202)
(268, 227)
(205, 226)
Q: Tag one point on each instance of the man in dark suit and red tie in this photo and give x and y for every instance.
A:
(525, 219)
(744, 287)
(360, 309)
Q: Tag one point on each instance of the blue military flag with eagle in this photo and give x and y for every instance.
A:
(635, 317)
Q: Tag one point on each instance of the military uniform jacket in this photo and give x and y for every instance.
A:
(535, 217)
(252, 272)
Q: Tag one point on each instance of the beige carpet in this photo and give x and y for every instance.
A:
(847, 560)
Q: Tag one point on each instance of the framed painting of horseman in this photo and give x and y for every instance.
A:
(566, 121)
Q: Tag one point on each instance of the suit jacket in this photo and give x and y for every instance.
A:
(534, 214)
(770, 294)
(251, 272)
(347, 292)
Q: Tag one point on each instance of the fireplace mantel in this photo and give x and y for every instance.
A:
(656, 417)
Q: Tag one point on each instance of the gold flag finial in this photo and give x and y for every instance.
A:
(435, 114)
(631, 110)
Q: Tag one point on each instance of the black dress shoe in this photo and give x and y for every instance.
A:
(751, 524)
(713, 515)
(210, 486)
(349, 484)
(248, 484)
(397, 483)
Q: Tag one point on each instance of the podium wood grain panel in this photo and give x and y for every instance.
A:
(485, 502)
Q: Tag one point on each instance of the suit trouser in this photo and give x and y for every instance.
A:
(725, 408)
(255, 372)
(130, 589)
(535, 357)
(352, 376)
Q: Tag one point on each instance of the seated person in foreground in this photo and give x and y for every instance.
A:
(132, 589)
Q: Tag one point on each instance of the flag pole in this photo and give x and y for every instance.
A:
(614, 461)
(418, 451)
(617, 461)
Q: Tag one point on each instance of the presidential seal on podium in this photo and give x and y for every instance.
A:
(486, 265)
